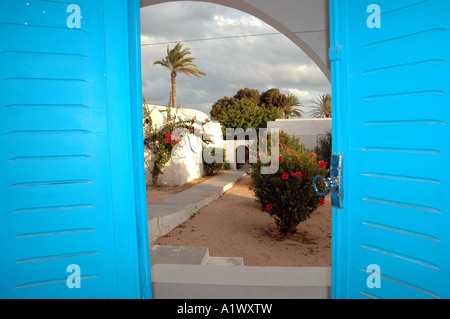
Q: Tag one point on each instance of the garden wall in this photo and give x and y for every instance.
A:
(186, 163)
(307, 130)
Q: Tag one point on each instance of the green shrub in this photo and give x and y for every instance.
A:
(288, 195)
(323, 149)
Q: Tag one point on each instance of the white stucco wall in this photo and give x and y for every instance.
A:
(186, 163)
(307, 130)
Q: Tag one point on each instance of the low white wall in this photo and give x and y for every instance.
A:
(307, 130)
(177, 281)
(185, 165)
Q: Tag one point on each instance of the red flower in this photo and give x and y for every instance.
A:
(314, 161)
(269, 207)
(312, 154)
(292, 173)
(285, 176)
(288, 151)
(168, 138)
(322, 164)
(299, 174)
(321, 201)
(281, 145)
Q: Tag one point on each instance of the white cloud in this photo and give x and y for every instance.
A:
(261, 62)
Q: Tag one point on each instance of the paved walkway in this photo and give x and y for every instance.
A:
(167, 214)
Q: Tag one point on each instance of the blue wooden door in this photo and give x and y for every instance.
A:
(391, 89)
(68, 223)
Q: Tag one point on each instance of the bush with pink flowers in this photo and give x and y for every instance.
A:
(288, 195)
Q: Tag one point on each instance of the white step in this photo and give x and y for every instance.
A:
(225, 261)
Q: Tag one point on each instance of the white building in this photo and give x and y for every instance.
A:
(186, 163)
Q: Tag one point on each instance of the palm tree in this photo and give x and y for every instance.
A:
(291, 109)
(178, 62)
(323, 106)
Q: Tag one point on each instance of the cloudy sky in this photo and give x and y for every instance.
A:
(257, 62)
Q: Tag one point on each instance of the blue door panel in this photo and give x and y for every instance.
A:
(48, 172)
(382, 110)
(69, 196)
(391, 289)
(373, 162)
(52, 66)
(52, 147)
(45, 219)
(408, 136)
(68, 120)
(57, 183)
(51, 15)
(395, 97)
(56, 287)
(76, 94)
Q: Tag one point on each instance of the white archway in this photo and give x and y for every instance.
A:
(306, 23)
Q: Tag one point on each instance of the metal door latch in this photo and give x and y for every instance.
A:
(332, 183)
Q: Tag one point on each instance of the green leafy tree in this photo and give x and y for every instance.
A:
(246, 114)
(322, 108)
(273, 98)
(220, 107)
(177, 61)
(291, 108)
(250, 94)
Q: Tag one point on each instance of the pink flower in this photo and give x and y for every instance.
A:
(299, 174)
(269, 207)
(285, 176)
(312, 155)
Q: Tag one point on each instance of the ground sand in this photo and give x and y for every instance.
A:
(235, 226)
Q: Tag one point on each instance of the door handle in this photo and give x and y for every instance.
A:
(333, 183)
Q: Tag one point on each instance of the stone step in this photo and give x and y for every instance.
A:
(225, 261)
(188, 255)
(161, 254)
